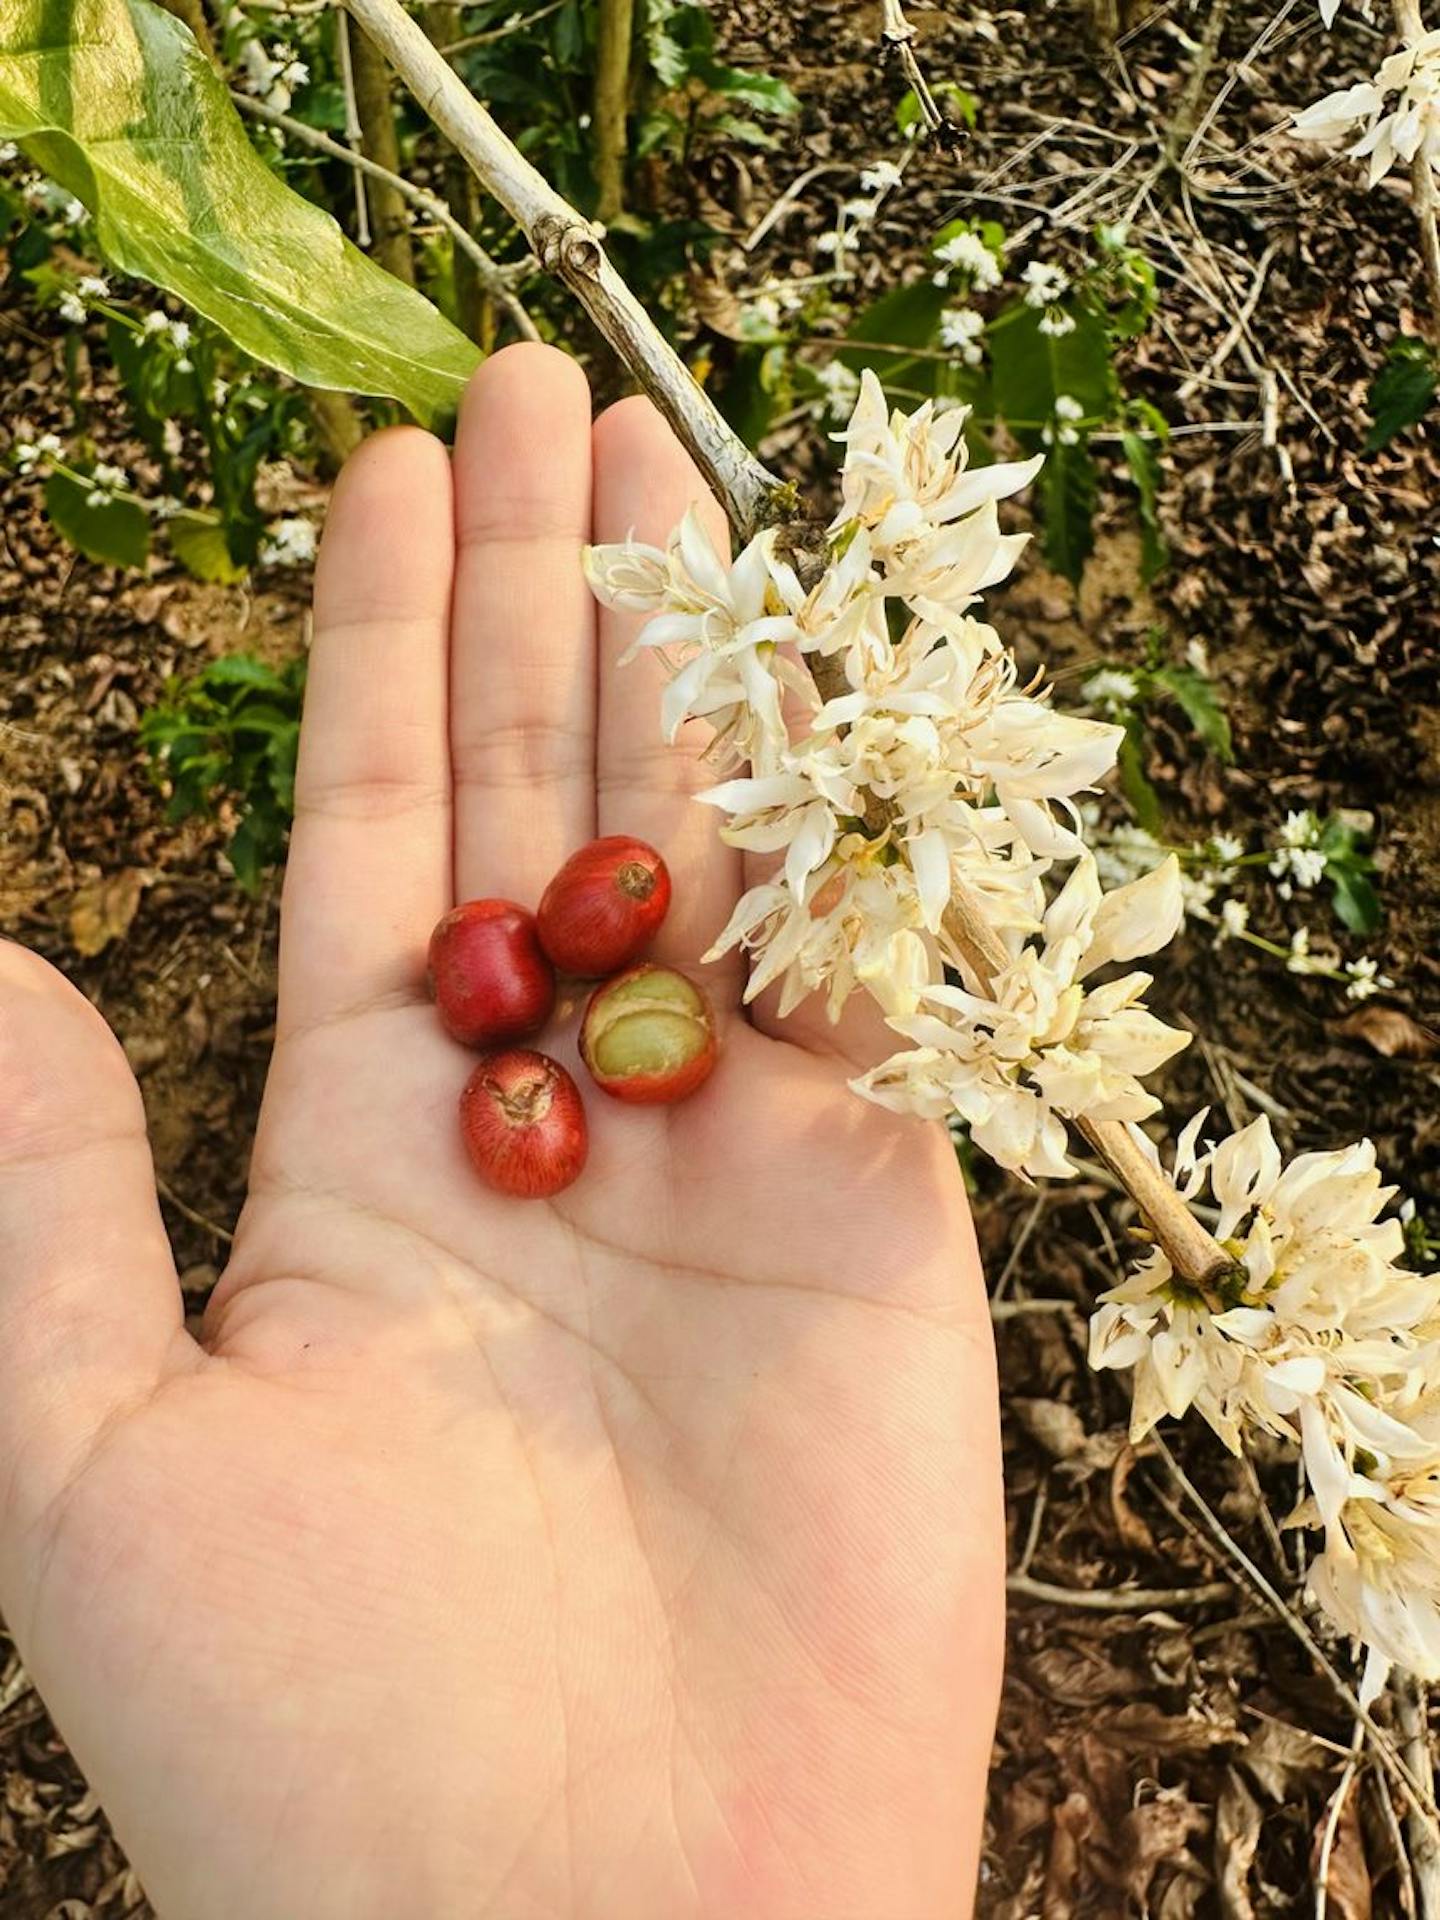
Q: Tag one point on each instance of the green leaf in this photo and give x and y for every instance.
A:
(241, 670)
(117, 533)
(1031, 368)
(200, 546)
(904, 317)
(1195, 695)
(1401, 392)
(1144, 463)
(1067, 497)
(1134, 782)
(114, 100)
(962, 106)
(1355, 901)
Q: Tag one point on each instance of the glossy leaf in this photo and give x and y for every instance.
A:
(1402, 392)
(114, 100)
(115, 532)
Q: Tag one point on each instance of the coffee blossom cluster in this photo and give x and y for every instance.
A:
(1316, 1335)
(892, 759)
(919, 804)
(1396, 113)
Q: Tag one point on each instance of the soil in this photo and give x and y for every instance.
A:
(1168, 1757)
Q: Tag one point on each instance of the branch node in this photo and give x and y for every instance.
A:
(568, 248)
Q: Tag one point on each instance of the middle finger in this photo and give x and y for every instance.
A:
(522, 665)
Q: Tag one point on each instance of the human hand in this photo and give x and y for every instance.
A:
(632, 1556)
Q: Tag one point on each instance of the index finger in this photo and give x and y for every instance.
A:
(369, 868)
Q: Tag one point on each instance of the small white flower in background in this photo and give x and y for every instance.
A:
(1044, 283)
(1197, 655)
(1227, 849)
(1365, 978)
(105, 482)
(1067, 407)
(165, 506)
(274, 74)
(72, 308)
(30, 454)
(1234, 919)
(74, 212)
(1410, 127)
(180, 334)
(1056, 323)
(858, 212)
(883, 177)
(1301, 960)
(969, 253)
(9, 153)
(155, 322)
(842, 386)
(92, 286)
(1113, 689)
(291, 543)
(961, 328)
(219, 391)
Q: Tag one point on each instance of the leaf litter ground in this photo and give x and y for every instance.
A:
(1168, 1756)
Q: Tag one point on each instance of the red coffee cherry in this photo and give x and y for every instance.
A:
(648, 1036)
(604, 906)
(489, 976)
(523, 1124)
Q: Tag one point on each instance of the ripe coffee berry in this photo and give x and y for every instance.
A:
(523, 1124)
(489, 976)
(648, 1036)
(604, 906)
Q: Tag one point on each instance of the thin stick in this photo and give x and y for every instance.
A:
(352, 127)
(1422, 177)
(491, 274)
(569, 247)
(1419, 1799)
(1332, 1822)
(898, 36)
(1412, 1715)
(1120, 1599)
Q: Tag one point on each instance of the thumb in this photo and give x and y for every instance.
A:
(90, 1308)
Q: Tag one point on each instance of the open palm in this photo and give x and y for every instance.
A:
(633, 1556)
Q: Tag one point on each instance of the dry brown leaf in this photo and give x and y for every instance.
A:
(1057, 1427)
(1081, 1676)
(1347, 1883)
(1141, 1727)
(1277, 1757)
(1155, 1832)
(1073, 1821)
(1391, 1032)
(1128, 1524)
(1237, 1834)
(103, 910)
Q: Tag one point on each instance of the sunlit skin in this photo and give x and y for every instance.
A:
(635, 1555)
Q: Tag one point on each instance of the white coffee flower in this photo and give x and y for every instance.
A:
(1056, 323)
(92, 286)
(1410, 127)
(1044, 283)
(969, 253)
(908, 475)
(1111, 688)
(882, 177)
(290, 543)
(1041, 1045)
(72, 308)
(1234, 919)
(961, 328)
